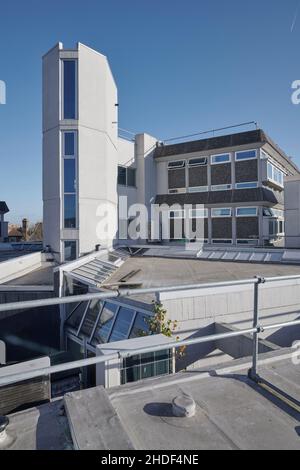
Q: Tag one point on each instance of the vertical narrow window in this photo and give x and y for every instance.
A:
(69, 89)
(69, 151)
(70, 249)
(69, 175)
(69, 144)
(70, 210)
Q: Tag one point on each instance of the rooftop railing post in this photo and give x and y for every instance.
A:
(253, 371)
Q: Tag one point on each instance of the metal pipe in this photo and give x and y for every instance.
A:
(128, 292)
(13, 378)
(119, 293)
(253, 370)
(281, 325)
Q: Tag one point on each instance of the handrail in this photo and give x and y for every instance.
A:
(129, 292)
(255, 330)
(21, 376)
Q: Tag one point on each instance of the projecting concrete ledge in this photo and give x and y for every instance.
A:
(94, 423)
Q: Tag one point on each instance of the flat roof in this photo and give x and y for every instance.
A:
(161, 272)
(237, 139)
(39, 277)
(232, 412)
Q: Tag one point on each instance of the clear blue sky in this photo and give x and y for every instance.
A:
(181, 66)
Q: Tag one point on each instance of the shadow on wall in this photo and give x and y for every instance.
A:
(285, 337)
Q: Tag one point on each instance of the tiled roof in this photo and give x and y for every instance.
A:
(220, 197)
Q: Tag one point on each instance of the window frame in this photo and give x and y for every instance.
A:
(247, 158)
(177, 217)
(251, 185)
(191, 165)
(64, 251)
(212, 157)
(178, 166)
(221, 187)
(205, 216)
(126, 168)
(64, 192)
(177, 191)
(63, 60)
(246, 215)
(213, 216)
(222, 241)
(198, 189)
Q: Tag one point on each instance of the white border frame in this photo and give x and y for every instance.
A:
(220, 155)
(221, 216)
(246, 207)
(245, 159)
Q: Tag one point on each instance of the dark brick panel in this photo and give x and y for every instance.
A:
(222, 227)
(198, 176)
(221, 174)
(247, 227)
(176, 178)
(246, 171)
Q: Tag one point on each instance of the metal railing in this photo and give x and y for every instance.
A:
(255, 330)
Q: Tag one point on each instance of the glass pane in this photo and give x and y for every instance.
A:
(130, 177)
(221, 158)
(91, 317)
(147, 367)
(69, 175)
(70, 250)
(122, 325)
(105, 323)
(76, 317)
(75, 349)
(70, 210)
(69, 89)
(178, 164)
(140, 326)
(250, 211)
(69, 144)
(246, 155)
(122, 175)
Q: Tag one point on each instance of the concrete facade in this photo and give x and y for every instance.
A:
(241, 173)
(292, 211)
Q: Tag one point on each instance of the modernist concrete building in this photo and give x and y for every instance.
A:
(237, 179)
(3, 225)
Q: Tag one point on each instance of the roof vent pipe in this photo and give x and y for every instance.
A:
(97, 247)
(184, 406)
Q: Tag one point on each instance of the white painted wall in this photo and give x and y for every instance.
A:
(51, 149)
(195, 309)
(97, 148)
(18, 267)
(292, 211)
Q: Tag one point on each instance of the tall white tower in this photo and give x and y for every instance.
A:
(80, 160)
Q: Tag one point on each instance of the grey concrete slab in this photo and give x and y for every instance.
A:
(94, 423)
(39, 277)
(40, 428)
(231, 413)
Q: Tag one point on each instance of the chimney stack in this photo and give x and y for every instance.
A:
(25, 229)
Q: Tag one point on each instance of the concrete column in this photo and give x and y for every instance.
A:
(261, 226)
(209, 226)
(208, 174)
(259, 168)
(233, 169)
(233, 226)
